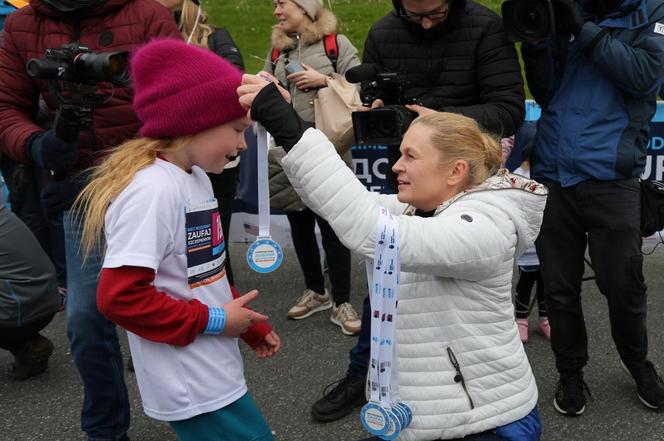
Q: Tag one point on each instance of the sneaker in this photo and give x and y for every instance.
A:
(570, 399)
(522, 324)
(544, 328)
(649, 385)
(346, 395)
(309, 303)
(32, 359)
(345, 316)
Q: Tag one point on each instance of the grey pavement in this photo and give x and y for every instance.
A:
(315, 353)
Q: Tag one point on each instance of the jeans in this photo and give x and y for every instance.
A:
(303, 224)
(94, 344)
(605, 216)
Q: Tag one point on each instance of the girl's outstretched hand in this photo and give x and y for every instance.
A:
(269, 346)
(238, 318)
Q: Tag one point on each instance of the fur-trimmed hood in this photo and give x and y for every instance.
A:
(325, 24)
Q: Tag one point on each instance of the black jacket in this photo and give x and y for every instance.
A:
(221, 43)
(464, 65)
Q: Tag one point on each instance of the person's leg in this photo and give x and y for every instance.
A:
(94, 345)
(562, 272)
(543, 325)
(31, 350)
(360, 353)
(303, 224)
(239, 421)
(523, 289)
(338, 260)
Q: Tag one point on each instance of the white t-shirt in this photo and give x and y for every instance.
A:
(167, 219)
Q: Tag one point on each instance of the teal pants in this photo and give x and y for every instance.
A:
(239, 421)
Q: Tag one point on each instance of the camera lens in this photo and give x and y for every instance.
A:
(532, 18)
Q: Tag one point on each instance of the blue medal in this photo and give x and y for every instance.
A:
(375, 419)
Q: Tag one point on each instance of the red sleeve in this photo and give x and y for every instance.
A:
(18, 95)
(127, 297)
(257, 332)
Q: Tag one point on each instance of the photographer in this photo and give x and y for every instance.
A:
(102, 26)
(597, 81)
(452, 56)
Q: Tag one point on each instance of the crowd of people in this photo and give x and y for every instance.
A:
(126, 223)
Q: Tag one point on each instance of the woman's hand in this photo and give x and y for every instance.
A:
(269, 346)
(307, 79)
(252, 84)
(239, 318)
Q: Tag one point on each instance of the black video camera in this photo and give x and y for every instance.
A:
(529, 20)
(73, 73)
(385, 125)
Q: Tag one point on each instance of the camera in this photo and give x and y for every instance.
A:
(529, 20)
(73, 73)
(385, 125)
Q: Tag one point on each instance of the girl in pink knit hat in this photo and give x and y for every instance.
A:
(163, 276)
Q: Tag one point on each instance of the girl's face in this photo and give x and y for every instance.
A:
(212, 149)
(425, 179)
(172, 5)
(290, 16)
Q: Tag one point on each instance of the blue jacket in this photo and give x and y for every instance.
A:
(598, 95)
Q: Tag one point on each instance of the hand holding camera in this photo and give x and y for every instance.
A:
(569, 16)
(304, 77)
(52, 153)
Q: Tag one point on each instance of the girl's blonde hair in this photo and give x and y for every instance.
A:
(108, 179)
(461, 138)
(188, 20)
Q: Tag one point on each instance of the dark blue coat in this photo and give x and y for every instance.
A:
(598, 94)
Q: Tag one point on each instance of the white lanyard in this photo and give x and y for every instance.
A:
(264, 255)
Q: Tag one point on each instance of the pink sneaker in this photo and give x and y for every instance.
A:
(523, 329)
(544, 328)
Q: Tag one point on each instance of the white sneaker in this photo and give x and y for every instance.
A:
(309, 303)
(346, 317)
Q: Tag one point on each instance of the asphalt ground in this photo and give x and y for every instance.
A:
(315, 353)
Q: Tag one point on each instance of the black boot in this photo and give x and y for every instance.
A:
(346, 395)
(32, 358)
(649, 385)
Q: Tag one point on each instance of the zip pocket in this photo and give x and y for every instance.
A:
(459, 376)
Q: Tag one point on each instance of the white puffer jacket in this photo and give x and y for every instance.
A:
(455, 288)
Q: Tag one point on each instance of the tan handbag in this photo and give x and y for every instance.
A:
(332, 110)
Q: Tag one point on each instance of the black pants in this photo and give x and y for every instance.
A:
(303, 225)
(524, 287)
(605, 215)
(13, 339)
(224, 186)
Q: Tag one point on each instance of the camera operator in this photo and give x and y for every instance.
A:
(452, 56)
(597, 81)
(99, 25)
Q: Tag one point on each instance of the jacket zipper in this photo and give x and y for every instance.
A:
(459, 376)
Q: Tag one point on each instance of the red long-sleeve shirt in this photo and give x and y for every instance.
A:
(127, 296)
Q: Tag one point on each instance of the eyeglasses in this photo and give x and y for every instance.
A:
(433, 16)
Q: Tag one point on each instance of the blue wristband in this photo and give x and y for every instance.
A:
(216, 321)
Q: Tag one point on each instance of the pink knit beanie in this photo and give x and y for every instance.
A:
(181, 89)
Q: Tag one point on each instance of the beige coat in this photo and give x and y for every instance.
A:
(306, 48)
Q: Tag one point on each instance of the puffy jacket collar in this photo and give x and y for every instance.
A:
(457, 8)
(325, 24)
(523, 204)
(49, 11)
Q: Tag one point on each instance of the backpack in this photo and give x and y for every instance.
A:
(331, 50)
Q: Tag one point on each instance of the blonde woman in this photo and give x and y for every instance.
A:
(300, 61)
(461, 222)
(192, 19)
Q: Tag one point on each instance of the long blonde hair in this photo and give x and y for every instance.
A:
(188, 20)
(461, 138)
(108, 179)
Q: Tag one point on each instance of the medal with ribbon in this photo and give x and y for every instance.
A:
(264, 255)
(385, 416)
